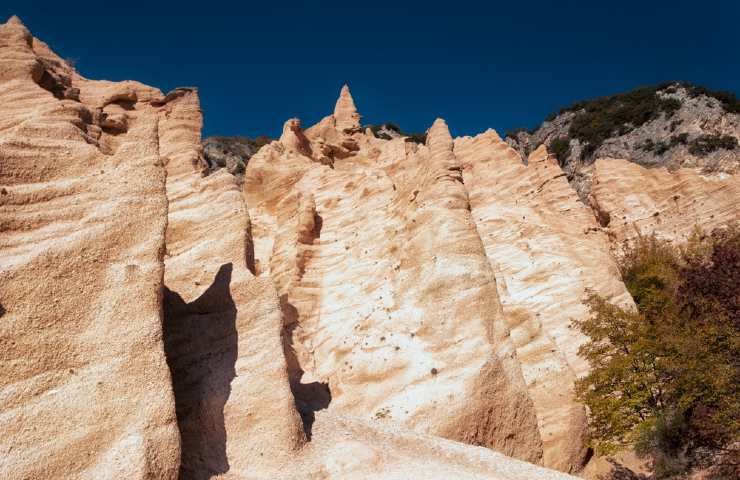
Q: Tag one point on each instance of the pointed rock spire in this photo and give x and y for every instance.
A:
(13, 32)
(438, 137)
(345, 112)
(14, 20)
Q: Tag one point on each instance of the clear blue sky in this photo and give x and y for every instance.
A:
(476, 64)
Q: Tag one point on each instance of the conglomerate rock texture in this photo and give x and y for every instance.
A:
(360, 307)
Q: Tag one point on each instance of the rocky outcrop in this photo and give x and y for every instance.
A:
(231, 153)
(358, 298)
(673, 125)
(396, 319)
(362, 248)
(84, 387)
(138, 341)
(221, 324)
(346, 118)
(632, 200)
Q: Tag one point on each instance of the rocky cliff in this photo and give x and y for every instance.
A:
(670, 125)
(137, 341)
(356, 307)
(85, 388)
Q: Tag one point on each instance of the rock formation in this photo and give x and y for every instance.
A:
(427, 230)
(231, 153)
(361, 307)
(673, 125)
(138, 342)
(372, 290)
(84, 386)
(546, 249)
(630, 200)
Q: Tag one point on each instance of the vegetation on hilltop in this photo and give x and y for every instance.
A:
(596, 120)
(600, 118)
(378, 131)
(232, 153)
(665, 377)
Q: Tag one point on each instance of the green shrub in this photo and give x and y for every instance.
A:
(560, 147)
(393, 126)
(605, 117)
(728, 100)
(411, 137)
(417, 138)
(660, 147)
(665, 376)
(648, 145)
(516, 131)
(706, 144)
(681, 138)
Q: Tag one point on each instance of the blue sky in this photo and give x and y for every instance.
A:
(476, 64)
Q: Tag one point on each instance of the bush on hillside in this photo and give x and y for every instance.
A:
(665, 376)
(513, 133)
(420, 138)
(729, 101)
(410, 137)
(660, 147)
(560, 147)
(706, 144)
(605, 117)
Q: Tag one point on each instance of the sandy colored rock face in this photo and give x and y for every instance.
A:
(389, 297)
(631, 199)
(84, 387)
(222, 325)
(546, 249)
(345, 112)
(359, 299)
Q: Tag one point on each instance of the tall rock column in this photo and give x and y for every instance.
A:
(546, 249)
(443, 238)
(223, 326)
(84, 387)
(346, 117)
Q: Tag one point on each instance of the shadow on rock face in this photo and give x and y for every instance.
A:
(200, 340)
(309, 397)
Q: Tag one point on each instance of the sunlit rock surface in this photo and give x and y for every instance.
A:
(632, 200)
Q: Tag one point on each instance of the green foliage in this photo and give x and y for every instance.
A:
(706, 144)
(260, 141)
(660, 147)
(663, 439)
(410, 137)
(605, 117)
(393, 126)
(728, 100)
(420, 138)
(513, 133)
(598, 119)
(665, 375)
(560, 147)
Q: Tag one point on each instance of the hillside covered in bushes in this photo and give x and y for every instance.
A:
(672, 124)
